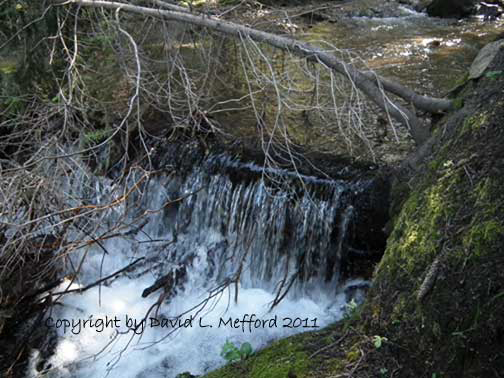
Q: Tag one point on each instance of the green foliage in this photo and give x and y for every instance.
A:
(25, 38)
(458, 103)
(281, 358)
(231, 353)
(97, 136)
(352, 313)
(7, 68)
(494, 75)
(13, 105)
(482, 236)
(383, 372)
(351, 307)
(246, 350)
(378, 341)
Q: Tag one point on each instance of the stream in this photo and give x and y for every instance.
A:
(423, 53)
(224, 225)
(218, 245)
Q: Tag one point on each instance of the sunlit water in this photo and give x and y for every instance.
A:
(423, 53)
(427, 54)
(112, 330)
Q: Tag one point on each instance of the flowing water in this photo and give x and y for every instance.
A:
(427, 54)
(220, 247)
(323, 112)
(201, 232)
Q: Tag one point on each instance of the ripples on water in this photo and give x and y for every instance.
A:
(425, 53)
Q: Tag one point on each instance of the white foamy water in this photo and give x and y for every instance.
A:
(111, 330)
(94, 350)
(156, 353)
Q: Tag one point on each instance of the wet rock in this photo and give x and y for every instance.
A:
(490, 10)
(451, 8)
(185, 375)
(484, 58)
(168, 282)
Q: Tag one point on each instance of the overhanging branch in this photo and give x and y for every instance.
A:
(370, 84)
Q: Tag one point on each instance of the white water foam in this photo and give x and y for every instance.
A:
(91, 350)
(159, 352)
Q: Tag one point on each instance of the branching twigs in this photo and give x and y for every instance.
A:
(305, 50)
(32, 202)
(96, 283)
(329, 346)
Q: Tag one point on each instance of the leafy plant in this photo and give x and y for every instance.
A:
(231, 353)
(378, 341)
(98, 136)
(351, 310)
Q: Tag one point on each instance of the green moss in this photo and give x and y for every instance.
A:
(453, 215)
(97, 136)
(486, 195)
(353, 354)
(419, 227)
(458, 103)
(462, 80)
(7, 68)
(486, 228)
(482, 238)
(398, 311)
(474, 123)
(337, 366)
(276, 361)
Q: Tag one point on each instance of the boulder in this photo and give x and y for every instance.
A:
(490, 10)
(451, 8)
(485, 57)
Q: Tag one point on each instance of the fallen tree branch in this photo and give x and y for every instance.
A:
(369, 84)
(426, 103)
(96, 283)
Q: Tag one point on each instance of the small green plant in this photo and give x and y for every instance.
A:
(231, 353)
(378, 341)
(383, 372)
(98, 136)
(351, 306)
(351, 310)
(494, 75)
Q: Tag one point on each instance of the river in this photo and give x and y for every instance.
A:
(222, 245)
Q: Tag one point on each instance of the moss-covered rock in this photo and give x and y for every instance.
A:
(437, 302)
(437, 291)
(282, 358)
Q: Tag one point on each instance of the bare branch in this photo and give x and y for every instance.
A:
(304, 50)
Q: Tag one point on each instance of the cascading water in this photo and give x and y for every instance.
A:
(219, 246)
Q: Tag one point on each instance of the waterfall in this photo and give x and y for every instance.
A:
(225, 241)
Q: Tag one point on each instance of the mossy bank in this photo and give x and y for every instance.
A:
(436, 308)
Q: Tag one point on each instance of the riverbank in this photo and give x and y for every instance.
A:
(436, 304)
